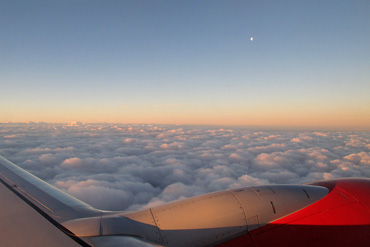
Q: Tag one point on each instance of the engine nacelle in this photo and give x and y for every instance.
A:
(205, 220)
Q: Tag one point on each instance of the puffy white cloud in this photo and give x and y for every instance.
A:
(128, 166)
(360, 158)
(246, 180)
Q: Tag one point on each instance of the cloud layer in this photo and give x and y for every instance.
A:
(129, 167)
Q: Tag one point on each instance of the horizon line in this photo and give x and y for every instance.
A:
(242, 126)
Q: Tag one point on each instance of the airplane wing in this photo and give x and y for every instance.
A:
(23, 224)
(34, 213)
(31, 210)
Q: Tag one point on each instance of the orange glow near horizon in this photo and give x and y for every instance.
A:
(185, 114)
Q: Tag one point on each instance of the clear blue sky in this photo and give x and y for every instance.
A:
(186, 62)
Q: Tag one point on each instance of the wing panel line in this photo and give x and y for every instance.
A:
(46, 216)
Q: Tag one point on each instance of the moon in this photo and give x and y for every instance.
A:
(252, 38)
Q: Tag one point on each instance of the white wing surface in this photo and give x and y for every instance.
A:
(31, 211)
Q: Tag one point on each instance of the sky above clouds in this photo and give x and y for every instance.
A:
(186, 62)
(132, 166)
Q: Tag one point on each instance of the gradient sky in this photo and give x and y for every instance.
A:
(186, 62)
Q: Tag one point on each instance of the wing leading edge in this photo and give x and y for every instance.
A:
(31, 211)
(36, 214)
